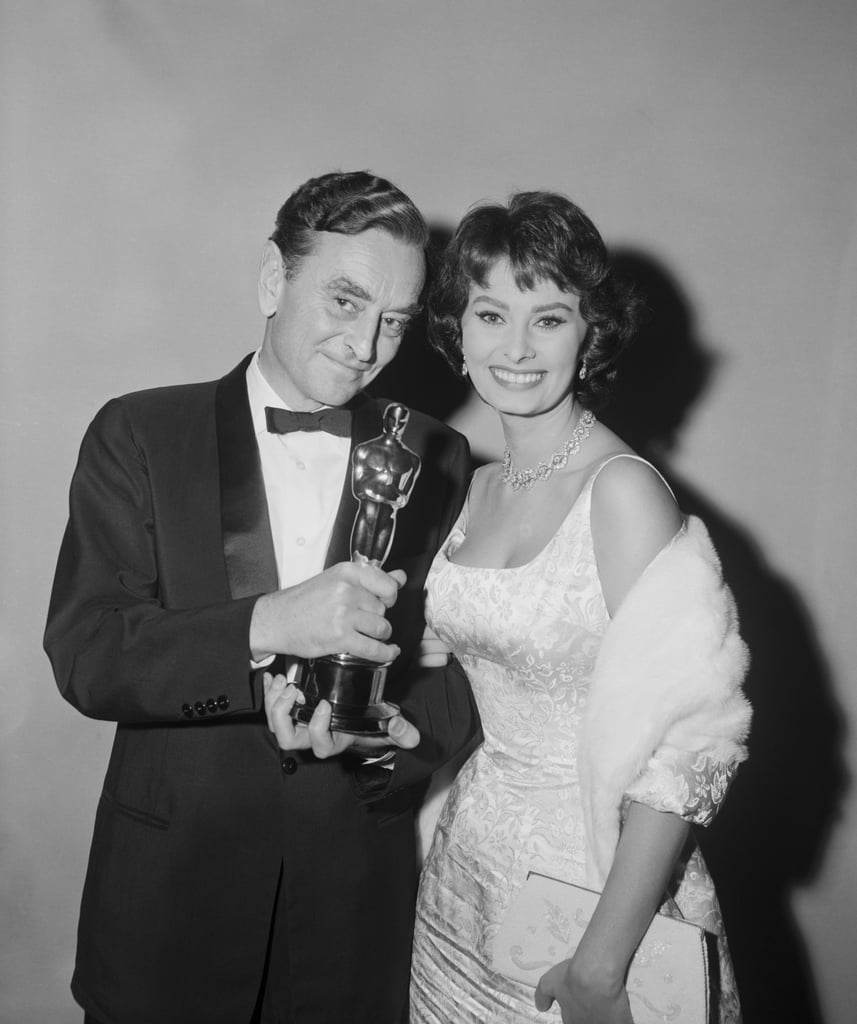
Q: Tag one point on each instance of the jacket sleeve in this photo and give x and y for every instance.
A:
(117, 652)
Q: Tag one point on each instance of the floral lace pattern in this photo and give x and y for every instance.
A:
(690, 785)
(528, 638)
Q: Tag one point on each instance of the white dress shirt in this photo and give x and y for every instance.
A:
(303, 473)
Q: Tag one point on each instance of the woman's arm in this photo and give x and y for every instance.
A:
(633, 517)
(590, 987)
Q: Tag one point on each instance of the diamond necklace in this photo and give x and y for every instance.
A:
(517, 478)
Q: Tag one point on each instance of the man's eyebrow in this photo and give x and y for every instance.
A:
(345, 284)
(349, 287)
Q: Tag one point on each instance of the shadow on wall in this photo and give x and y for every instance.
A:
(771, 834)
(773, 830)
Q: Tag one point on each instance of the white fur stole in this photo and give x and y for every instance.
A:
(669, 673)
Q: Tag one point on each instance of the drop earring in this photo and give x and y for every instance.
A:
(581, 373)
(463, 368)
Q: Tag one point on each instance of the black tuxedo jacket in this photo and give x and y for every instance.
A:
(167, 548)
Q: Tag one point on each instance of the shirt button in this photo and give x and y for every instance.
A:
(289, 765)
(301, 465)
(300, 542)
(223, 702)
(211, 704)
(200, 708)
(187, 710)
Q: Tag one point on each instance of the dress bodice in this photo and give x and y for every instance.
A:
(527, 637)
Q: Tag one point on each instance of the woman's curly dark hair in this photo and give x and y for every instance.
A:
(544, 236)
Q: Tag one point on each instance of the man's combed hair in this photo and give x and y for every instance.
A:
(545, 237)
(345, 202)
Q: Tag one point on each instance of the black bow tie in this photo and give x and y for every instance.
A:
(331, 421)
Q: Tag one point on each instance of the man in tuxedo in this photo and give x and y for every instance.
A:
(235, 875)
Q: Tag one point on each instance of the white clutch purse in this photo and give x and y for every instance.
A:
(668, 976)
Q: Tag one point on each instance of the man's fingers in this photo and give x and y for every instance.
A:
(280, 697)
(272, 687)
(402, 734)
(320, 737)
(374, 626)
(400, 576)
(384, 585)
(373, 650)
(325, 743)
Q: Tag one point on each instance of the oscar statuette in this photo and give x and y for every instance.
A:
(383, 474)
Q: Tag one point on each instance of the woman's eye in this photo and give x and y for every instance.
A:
(488, 318)
(550, 321)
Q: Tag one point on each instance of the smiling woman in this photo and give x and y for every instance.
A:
(542, 239)
(571, 549)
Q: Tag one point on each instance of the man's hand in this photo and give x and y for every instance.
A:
(280, 698)
(340, 610)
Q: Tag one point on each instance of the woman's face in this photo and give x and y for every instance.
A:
(521, 347)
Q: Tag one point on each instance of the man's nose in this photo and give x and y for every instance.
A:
(362, 339)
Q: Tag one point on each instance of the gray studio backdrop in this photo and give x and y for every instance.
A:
(145, 148)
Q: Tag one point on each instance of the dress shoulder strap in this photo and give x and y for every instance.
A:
(464, 515)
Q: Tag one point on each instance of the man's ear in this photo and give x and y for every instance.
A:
(271, 277)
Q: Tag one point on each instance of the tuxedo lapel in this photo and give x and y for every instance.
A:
(248, 546)
(367, 422)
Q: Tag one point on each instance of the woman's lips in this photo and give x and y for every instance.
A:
(516, 378)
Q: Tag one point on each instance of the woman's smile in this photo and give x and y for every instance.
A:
(516, 378)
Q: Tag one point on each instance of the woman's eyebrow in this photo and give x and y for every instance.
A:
(489, 299)
(552, 305)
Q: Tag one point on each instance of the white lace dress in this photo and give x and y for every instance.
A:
(528, 638)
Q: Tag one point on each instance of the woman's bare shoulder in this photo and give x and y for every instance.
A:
(633, 516)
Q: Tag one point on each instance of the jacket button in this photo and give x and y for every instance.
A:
(187, 710)
(199, 708)
(223, 702)
(289, 765)
(211, 704)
